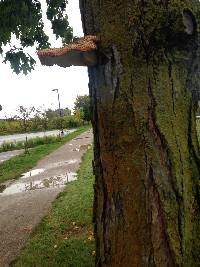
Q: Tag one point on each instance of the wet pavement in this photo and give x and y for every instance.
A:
(8, 155)
(25, 201)
(22, 137)
(52, 182)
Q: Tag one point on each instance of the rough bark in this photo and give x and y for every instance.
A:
(147, 166)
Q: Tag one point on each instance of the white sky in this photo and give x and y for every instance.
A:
(35, 88)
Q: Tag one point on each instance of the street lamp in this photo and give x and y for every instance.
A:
(56, 90)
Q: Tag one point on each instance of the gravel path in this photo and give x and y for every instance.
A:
(24, 202)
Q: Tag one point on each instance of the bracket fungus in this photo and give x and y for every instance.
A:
(82, 52)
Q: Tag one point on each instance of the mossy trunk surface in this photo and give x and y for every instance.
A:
(144, 92)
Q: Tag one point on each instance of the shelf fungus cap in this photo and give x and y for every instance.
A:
(82, 52)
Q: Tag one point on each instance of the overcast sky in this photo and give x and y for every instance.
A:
(35, 88)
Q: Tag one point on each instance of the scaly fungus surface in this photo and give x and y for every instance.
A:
(82, 52)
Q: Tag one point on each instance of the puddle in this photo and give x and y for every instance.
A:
(32, 173)
(52, 182)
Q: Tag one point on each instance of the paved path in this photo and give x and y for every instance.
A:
(22, 137)
(24, 202)
(9, 154)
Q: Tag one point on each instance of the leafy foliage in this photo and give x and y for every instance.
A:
(24, 119)
(23, 18)
(60, 24)
(82, 104)
(55, 113)
(38, 119)
(20, 62)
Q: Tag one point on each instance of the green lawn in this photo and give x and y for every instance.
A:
(13, 168)
(32, 142)
(65, 237)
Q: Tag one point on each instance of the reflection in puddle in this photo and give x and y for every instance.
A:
(32, 173)
(52, 182)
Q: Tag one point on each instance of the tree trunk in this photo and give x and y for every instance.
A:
(144, 91)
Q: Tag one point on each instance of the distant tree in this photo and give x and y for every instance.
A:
(83, 102)
(50, 113)
(0, 107)
(24, 116)
(56, 113)
(36, 124)
(44, 121)
(66, 112)
(79, 115)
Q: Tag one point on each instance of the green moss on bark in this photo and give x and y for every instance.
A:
(147, 154)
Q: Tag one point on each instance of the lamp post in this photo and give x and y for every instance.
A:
(56, 90)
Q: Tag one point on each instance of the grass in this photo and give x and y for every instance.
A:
(65, 237)
(32, 142)
(13, 168)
